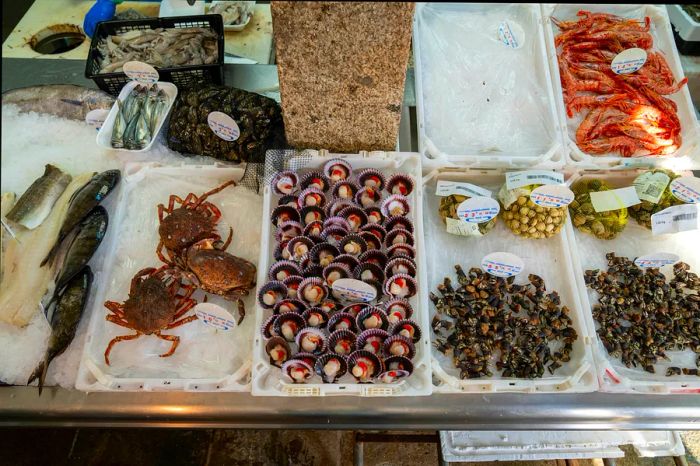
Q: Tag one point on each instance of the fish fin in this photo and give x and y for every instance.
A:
(72, 102)
(39, 373)
(52, 253)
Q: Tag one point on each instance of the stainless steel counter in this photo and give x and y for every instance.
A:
(593, 411)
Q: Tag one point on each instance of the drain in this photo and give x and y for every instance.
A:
(55, 39)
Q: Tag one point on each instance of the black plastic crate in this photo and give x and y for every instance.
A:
(182, 76)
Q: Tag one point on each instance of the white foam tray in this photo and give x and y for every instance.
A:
(268, 379)
(468, 446)
(104, 135)
(206, 359)
(459, 63)
(688, 155)
(549, 258)
(634, 241)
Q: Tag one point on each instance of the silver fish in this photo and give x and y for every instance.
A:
(61, 100)
(118, 128)
(35, 204)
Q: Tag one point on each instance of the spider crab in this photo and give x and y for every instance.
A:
(154, 304)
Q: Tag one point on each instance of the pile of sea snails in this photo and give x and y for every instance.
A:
(339, 224)
(486, 322)
(642, 315)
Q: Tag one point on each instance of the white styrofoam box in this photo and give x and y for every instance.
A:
(234, 27)
(207, 359)
(474, 446)
(549, 258)
(268, 379)
(688, 155)
(634, 241)
(687, 27)
(480, 102)
(104, 135)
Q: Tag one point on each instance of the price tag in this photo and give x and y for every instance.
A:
(656, 260)
(141, 72)
(675, 219)
(524, 178)
(502, 264)
(214, 316)
(511, 34)
(552, 195)
(461, 228)
(350, 289)
(96, 117)
(628, 61)
(650, 186)
(614, 199)
(223, 126)
(447, 188)
(686, 189)
(478, 209)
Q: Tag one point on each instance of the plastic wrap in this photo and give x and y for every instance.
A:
(654, 190)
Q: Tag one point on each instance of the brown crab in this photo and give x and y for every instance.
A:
(154, 304)
(194, 220)
(216, 271)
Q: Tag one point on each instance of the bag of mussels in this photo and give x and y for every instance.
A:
(225, 123)
(605, 224)
(654, 190)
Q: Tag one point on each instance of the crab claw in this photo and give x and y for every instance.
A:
(241, 312)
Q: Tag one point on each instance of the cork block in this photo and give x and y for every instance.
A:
(342, 67)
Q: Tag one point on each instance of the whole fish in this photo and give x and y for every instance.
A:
(90, 233)
(36, 203)
(61, 100)
(6, 202)
(82, 202)
(118, 128)
(64, 321)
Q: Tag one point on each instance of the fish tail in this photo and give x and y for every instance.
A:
(39, 373)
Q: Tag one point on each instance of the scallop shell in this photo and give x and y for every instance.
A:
(345, 190)
(281, 253)
(342, 342)
(337, 206)
(331, 367)
(288, 200)
(334, 235)
(346, 259)
(336, 221)
(377, 285)
(312, 290)
(297, 371)
(289, 306)
(397, 309)
(267, 328)
(368, 271)
(372, 340)
(284, 213)
(288, 325)
(364, 366)
(398, 345)
(399, 237)
(400, 183)
(376, 229)
(335, 271)
(287, 268)
(310, 214)
(369, 177)
(368, 197)
(329, 305)
(313, 270)
(355, 216)
(395, 205)
(324, 253)
(401, 250)
(372, 241)
(400, 286)
(342, 321)
(372, 317)
(393, 223)
(299, 247)
(353, 245)
(288, 230)
(271, 293)
(315, 317)
(337, 170)
(277, 344)
(311, 197)
(312, 340)
(374, 215)
(354, 308)
(284, 183)
(408, 328)
(314, 229)
(375, 257)
(395, 369)
(314, 180)
(292, 284)
(400, 265)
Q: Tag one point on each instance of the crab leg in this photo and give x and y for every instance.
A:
(228, 240)
(180, 322)
(187, 304)
(173, 338)
(214, 191)
(116, 340)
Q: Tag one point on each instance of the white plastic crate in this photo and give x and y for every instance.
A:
(688, 155)
(549, 258)
(207, 359)
(634, 241)
(268, 380)
(481, 103)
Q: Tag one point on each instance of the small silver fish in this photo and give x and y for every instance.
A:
(36, 203)
(118, 128)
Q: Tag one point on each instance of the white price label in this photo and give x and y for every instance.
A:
(511, 34)
(214, 316)
(686, 189)
(141, 72)
(628, 61)
(460, 228)
(223, 126)
(614, 199)
(650, 186)
(656, 260)
(96, 117)
(502, 264)
(524, 178)
(675, 219)
(446, 188)
(552, 195)
(350, 289)
(478, 209)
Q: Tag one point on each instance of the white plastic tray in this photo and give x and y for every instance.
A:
(234, 27)
(688, 29)
(268, 379)
(206, 359)
(104, 135)
(634, 241)
(479, 102)
(548, 258)
(688, 156)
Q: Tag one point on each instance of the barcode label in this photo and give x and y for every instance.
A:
(650, 186)
(518, 179)
(675, 219)
(447, 188)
